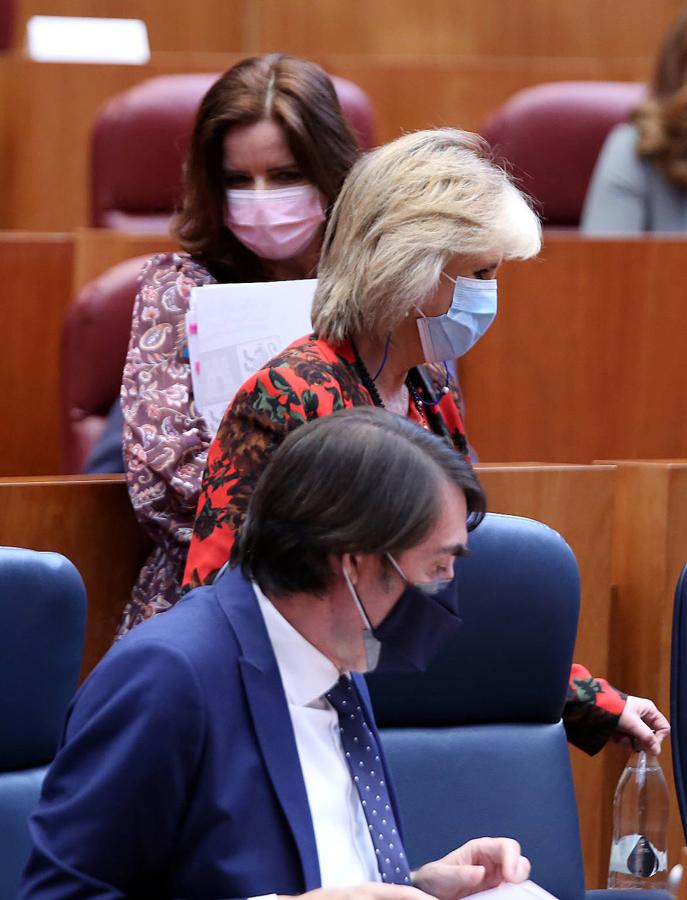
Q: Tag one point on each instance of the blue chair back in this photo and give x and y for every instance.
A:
(678, 695)
(43, 614)
(476, 744)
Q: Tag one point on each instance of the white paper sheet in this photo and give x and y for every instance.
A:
(527, 890)
(78, 39)
(234, 329)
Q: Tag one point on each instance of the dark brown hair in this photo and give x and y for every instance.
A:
(361, 480)
(662, 119)
(300, 97)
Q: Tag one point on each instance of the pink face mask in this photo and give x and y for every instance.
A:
(275, 224)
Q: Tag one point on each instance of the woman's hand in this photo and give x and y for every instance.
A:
(641, 721)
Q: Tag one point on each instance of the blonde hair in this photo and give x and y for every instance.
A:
(405, 209)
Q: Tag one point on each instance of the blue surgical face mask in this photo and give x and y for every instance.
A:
(423, 618)
(472, 311)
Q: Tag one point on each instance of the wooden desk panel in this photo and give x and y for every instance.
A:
(586, 357)
(208, 25)
(4, 138)
(90, 521)
(39, 272)
(36, 288)
(456, 28)
(577, 501)
(52, 106)
(403, 28)
(650, 548)
(433, 93)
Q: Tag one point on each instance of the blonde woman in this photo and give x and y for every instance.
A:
(406, 281)
(420, 227)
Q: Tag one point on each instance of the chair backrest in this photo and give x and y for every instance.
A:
(43, 612)
(550, 136)
(140, 139)
(95, 337)
(678, 695)
(476, 744)
(8, 16)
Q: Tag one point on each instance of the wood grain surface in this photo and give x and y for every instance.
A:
(649, 551)
(401, 28)
(585, 359)
(576, 501)
(37, 283)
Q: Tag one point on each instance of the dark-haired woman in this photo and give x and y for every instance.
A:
(640, 180)
(269, 152)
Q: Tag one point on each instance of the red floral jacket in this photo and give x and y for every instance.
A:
(312, 378)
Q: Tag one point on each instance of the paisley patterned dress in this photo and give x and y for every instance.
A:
(165, 438)
(312, 378)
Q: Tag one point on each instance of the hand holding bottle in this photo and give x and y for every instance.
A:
(641, 721)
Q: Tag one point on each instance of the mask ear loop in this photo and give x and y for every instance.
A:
(356, 599)
(384, 358)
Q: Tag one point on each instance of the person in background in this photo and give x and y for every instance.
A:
(228, 748)
(269, 152)
(640, 180)
(107, 456)
(407, 279)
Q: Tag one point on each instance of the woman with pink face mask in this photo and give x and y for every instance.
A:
(269, 152)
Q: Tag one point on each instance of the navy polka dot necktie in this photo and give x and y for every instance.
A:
(363, 758)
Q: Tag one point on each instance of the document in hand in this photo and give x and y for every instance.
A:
(234, 329)
(527, 890)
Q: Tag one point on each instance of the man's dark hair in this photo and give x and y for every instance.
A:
(362, 480)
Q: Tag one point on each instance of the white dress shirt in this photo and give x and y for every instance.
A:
(344, 848)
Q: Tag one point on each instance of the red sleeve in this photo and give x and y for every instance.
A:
(592, 709)
(268, 406)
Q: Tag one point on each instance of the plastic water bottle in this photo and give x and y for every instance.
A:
(639, 857)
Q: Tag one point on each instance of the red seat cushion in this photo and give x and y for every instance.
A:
(95, 337)
(549, 138)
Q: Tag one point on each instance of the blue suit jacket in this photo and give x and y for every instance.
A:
(178, 775)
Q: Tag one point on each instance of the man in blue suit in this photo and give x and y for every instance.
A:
(223, 749)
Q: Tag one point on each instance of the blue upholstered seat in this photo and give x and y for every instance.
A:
(43, 614)
(476, 744)
(678, 695)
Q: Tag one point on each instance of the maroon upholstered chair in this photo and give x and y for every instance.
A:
(8, 16)
(549, 137)
(95, 337)
(140, 138)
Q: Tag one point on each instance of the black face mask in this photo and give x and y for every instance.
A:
(421, 621)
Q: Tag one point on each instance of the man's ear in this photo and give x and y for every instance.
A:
(351, 562)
